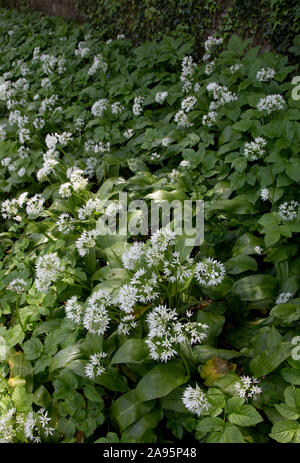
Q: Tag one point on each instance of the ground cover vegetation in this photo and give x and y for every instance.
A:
(144, 339)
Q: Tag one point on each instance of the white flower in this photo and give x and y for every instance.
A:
(47, 169)
(221, 95)
(185, 163)
(127, 298)
(137, 108)
(64, 223)
(246, 387)
(47, 269)
(99, 107)
(65, 190)
(98, 64)
(235, 67)
(128, 133)
(211, 43)
(74, 310)
(35, 205)
(86, 241)
(254, 149)
(265, 194)
(181, 119)
(17, 285)
(270, 103)
(209, 68)
(77, 180)
(195, 400)
(187, 70)
(265, 74)
(51, 141)
(209, 272)
(209, 119)
(91, 206)
(10, 209)
(160, 97)
(258, 250)
(94, 367)
(288, 210)
(155, 156)
(166, 141)
(283, 298)
(166, 332)
(127, 323)
(2, 132)
(96, 318)
(117, 108)
(133, 255)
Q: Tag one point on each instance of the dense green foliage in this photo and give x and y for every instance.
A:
(272, 23)
(275, 22)
(252, 314)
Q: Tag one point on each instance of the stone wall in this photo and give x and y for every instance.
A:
(64, 8)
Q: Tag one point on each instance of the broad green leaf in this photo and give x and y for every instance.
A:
(161, 380)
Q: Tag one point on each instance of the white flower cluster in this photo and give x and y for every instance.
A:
(283, 298)
(181, 120)
(246, 387)
(254, 149)
(133, 255)
(265, 74)
(65, 223)
(94, 317)
(52, 64)
(221, 95)
(188, 67)
(166, 332)
(176, 271)
(270, 103)
(98, 65)
(160, 97)
(265, 194)
(137, 107)
(99, 107)
(91, 206)
(128, 133)
(195, 400)
(18, 285)
(100, 147)
(209, 272)
(86, 241)
(35, 426)
(74, 310)
(95, 367)
(77, 183)
(235, 67)
(35, 205)
(288, 210)
(82, 50)
(209, 119)
(47, 270)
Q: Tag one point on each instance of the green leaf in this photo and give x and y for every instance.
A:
(32, 348)
(161, 380)
(245, 416)
(239, 264)
(265, 363)
(255, 287)
(137, 431)
(132, 351)
(208, 424)
(127, 409)
(284, 431)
